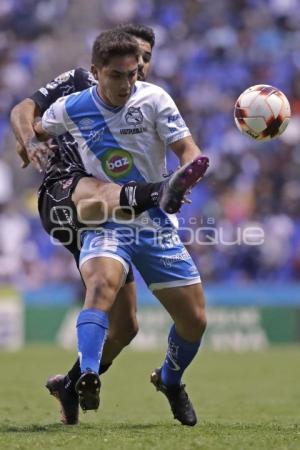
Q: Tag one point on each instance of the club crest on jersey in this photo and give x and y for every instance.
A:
(134, 116)
(117, 163)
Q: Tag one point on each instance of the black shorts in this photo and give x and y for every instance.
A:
(59, 216)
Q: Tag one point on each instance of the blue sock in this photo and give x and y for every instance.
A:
(180, 354)
(92, 326)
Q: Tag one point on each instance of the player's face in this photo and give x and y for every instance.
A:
(117, 79)
(145, 59)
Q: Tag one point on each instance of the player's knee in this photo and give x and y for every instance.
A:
(201, 321)
(194, 327)
(100, 292)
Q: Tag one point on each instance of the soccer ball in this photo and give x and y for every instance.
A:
(262, 112)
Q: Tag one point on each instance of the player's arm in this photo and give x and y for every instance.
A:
(172, 128)
(185, 149)
(22, 119)
(52, 123)
(25, 113)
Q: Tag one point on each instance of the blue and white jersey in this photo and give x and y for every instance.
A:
(120, 144)
(124, 143)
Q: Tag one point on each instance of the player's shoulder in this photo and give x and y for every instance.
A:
(83, 78)
(78, 97)
(72, 100)
(149, 88)
(78, 79)
(151, 92)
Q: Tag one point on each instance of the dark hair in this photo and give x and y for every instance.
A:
(112, 43)
(139, 31)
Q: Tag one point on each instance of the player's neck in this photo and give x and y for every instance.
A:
(104, 98)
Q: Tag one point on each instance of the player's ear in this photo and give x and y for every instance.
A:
(94, 71)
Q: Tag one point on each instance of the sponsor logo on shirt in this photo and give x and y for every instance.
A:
(136, 130)
(116, 163)
(64, 76)
(52, 85)
(44, 91)
(86, 124)
(172, 129)
(96, 135)
(177, 120)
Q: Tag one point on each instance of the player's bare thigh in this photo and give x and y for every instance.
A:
(186, 306)
(103, 278)
(95, 200)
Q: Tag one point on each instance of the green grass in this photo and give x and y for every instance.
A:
(244, 401)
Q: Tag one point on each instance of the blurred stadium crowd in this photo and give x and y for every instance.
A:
(207, 53)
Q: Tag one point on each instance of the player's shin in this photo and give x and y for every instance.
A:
(92, 326)
(179, 355)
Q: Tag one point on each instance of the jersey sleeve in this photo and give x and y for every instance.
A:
(169, 124)
(53, 120)
(65, 84)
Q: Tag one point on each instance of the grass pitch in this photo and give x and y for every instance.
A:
(244, 401)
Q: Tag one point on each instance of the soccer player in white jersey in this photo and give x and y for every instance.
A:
(137, 121)
(65, 182)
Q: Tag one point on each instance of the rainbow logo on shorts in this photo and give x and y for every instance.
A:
(117, 163)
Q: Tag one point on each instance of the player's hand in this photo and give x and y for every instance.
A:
(38, 152)
(21, 150)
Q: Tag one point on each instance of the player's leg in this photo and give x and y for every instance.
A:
(105, 257)
(59, 218)
(103, 277)
(53, 202)
(123, 328)
(96, 200)
(176, 283)
(123, 325)
(186, 306)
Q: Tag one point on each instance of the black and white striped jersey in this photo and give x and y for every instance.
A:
(66, 160)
